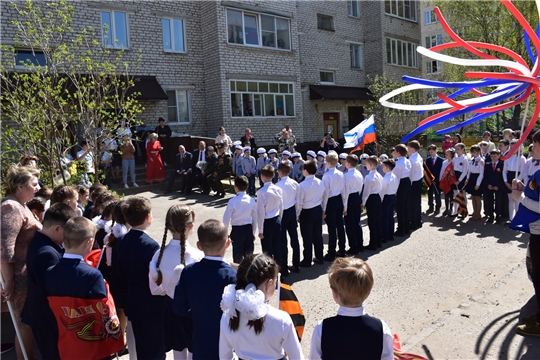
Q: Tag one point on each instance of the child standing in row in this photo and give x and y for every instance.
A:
(461, 168)
(371, 200)
(165, 270)
(241, 212)
(332, 206)
(237, 160)
(201, 285)
(250, 327)
(353, 184)
(389, 189)
(269, 213)
(261, 161)
(273, 161)
(473, 184)
(298, 167)
(249, 168)
(402, 170)
(321, 164)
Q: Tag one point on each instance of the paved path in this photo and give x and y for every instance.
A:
(452, 290)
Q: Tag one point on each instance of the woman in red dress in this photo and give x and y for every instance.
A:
(154, 166)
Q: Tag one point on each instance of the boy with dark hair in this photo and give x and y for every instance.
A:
(198, 293)
(416, 175)
(289, 189)
(134, 251)
(269, 213)
(434, 164)
(352, 334)
(72, 284)
(493, 187)
(389, 189)
(82, 192)
(93, 192)
(402, 170)
(353, 184)
(241, 212)
(309, 214)
(43, 252)
(332, 205)
(371, 200)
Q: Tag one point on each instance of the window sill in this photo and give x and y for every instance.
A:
(174, 52)
(115, 48)
(331, 30)
(179, 123)
(327, 83)
(357, 69)
(401, 18)
(354, 17)
(264, 117)
(258, 47)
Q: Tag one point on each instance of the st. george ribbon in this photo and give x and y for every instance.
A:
(509, 88)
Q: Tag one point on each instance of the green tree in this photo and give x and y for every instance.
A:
(68, 87)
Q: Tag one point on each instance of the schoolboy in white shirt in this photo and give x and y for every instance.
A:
(332, 204)
(241, 212)
(389, 189)
(353, 184)
(402, 170)
(269, 213)
(372, 202)
(416, 175)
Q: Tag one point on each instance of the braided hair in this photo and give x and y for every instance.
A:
(253, 269)
(177, 220)
(117, 218)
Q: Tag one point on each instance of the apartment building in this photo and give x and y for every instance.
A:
(257, 64)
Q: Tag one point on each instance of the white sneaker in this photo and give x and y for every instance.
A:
(135, 185)
(126, 186)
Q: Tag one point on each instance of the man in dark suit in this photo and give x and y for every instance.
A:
(134, 252)
(43, 252)
(183, 163)
(211, 166)
(198, 293)
(222, 171)
(434, 164)
(199, 155)
(494, 188)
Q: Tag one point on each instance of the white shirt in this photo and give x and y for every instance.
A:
(289, 189)
(403, 168)
(88, 159)
(241, 210)
(170, 267)
(201, 156)
(461, 163)
(309, 194)
(333, 185)
(531, 167)
(390, 184)
(315, 351)
(72, 256)
(123, 131)
(477, 167)
(353, 182)
(443, 167)
(510, 165)
(269, 204)
(277, 337)
(372, 185)
(417, 167)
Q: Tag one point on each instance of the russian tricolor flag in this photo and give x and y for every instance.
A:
(360, 135)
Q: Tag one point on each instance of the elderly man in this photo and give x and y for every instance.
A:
(183, 163)
(221, 171)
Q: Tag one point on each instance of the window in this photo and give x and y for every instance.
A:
(327, 77)
(433, 40)
(405, 9)
(325, 22)
(356, 56)
(261, 99)
(178, 106)
(114, 28)
(430, 17)
(401, 53)
(258, 30)
(173, 35)
(433, 67)
(354, 8)
(30, 58)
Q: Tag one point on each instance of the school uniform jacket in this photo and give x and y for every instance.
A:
(198, 295)
(76, 279)
(494, 177)
(435, 168)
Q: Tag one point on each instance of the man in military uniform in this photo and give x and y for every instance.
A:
(211, 165)
(221, 171)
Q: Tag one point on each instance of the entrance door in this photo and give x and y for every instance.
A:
(331, 123)
(356, 115)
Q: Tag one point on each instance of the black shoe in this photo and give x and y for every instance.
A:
(341, 254)
(453, 216)
(429, 210)
(206, 193)
(305, 263)
(222, 195)
(437, 211)
(445, 213)
(489, 220)
(361, 249)
(328, 257)
(123, 352)
(384, 241)
(399, 234)
(391, 239)
(413, 228)
(371, 247)
(294, 269)
(318, 261)
(284, 272)
(352, 252)
(379, 245)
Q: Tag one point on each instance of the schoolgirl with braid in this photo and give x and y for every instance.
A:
(165, 270)
(250, 327)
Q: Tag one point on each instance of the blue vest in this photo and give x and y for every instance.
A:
(346, 337)
(525, 216)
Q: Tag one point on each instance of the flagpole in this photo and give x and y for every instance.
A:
(15, 322)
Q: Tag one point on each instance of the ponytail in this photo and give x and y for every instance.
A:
(161, 250)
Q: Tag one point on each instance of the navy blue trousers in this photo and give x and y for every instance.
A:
(270, 242)
(434, 193)
(251, 185)
(352, 223)
(149, 339)
(288, 225)
(334, 222)
(311, 230)
(387, 217)
(402, 207)
(374, 211)
(415, 204)
(242, 242)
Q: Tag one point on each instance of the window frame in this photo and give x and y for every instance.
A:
(112, 31)
(259, 16)
(401, 5)
(188, 106)
(31, 52)
(436, 39)
(361, 46)
(431, 17)
(429, 67)
(402, 53)
(240, 95)
(333, 27)
(333, 82)
(350, 8)
(171, 34)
